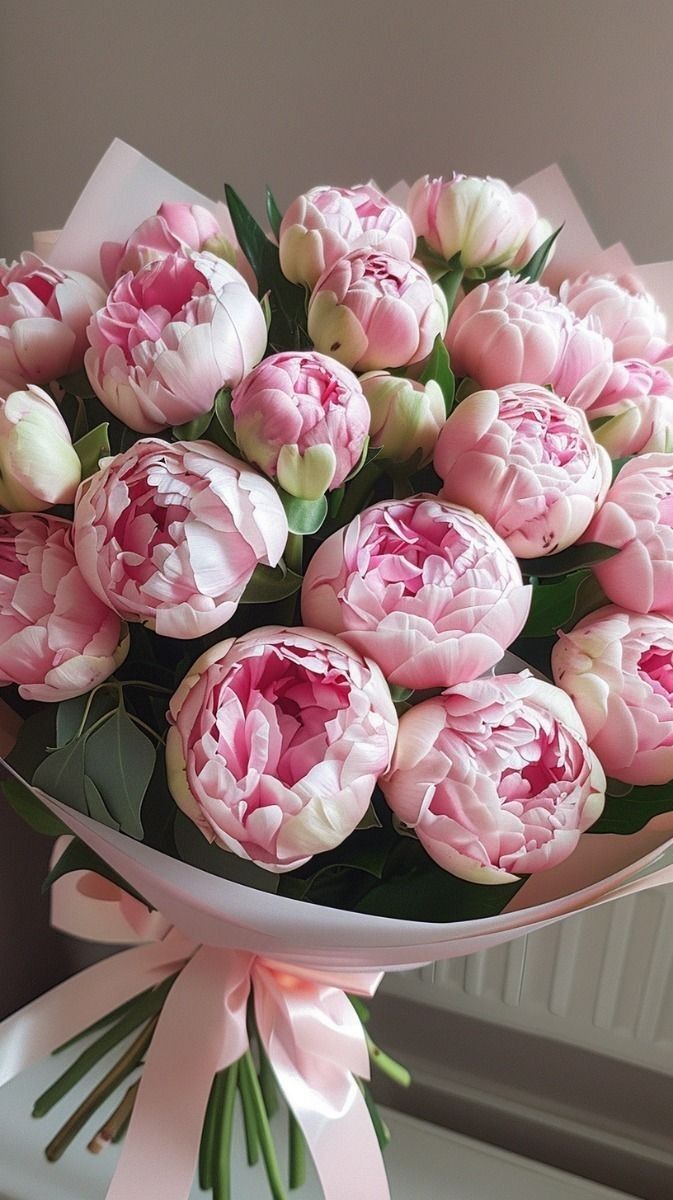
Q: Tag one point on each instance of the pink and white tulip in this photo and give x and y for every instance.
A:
(617, 667)
(371, 310)
(496, 778)
(528, 463)
(57, 639)
(38, 465)
(482, 220)
(44, 313)
(325, 223)
(277, 740)
(623, 311)
(170, 534)
(170, 336)
(425, 588)
(406, 416)
(637, 519)
(303, 419)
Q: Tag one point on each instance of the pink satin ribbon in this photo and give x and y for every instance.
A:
(309, 1028)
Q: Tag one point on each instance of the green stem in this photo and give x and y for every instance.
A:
(249, 1119)
(148, 1005)
(114, 1015)
(247, 1067)
(118, 1120)
(142, 683)
(222, 1150)
(294, 553)
(386, 1064)
(380, 1128)
(267, 1081)
(206, 1147)
(297, 1153)
(148, 728)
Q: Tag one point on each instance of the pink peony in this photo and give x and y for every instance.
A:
(44, 313)
(423, 587)
(637, 518)
(303, 419)
(622, 310)
(371, 310)
(509, 331)
(617, 667)
(482, 220)
(406, 416)
(276, 743)
(170, 337)
(496, 778)
(175, 229)
(57, 640)
(636, 408)
(170, 534)
(327, 222)
(38, 466)
(528, 463)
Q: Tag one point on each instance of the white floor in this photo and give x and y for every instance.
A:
(423, 1161)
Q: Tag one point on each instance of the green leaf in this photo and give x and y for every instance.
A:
(370, 819)
(120, 760)
(78, 857)
(192, 430)
(553, 604)
(303, 516)
(438, 367)
(70, 713)
(92, 447)
(618, 463)
(195, 849)
(224, 417)
(568, 560)
(450, 283)
(630, 812)
(96, 805)
(31, 810)
(538, 261)
(61, 775)
(273, 212)
(598, 422)
(269, 584)
(251, 237)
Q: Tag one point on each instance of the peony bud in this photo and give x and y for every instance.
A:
(407, 416)
(38, 465)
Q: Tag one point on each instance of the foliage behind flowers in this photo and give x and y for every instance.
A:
(256, 638)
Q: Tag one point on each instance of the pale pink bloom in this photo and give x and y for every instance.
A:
(276, 743)
(622, 310)
(174, 229)
(510, 331)
(618, 669)
(170, 336)
(44, 313)
(372, 310)
(303, 419)
(637, 410)
(482, 220)
(637, 518)
(496, 778)
(423, 587)
(528, 463)
(407, 416)
(538, 234)
(38, 466)
(170, 534)
(325, 223)
(57, 640)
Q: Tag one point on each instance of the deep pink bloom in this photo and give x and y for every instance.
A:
(170, 337)
(528, 463)
(496, 778)
(637, 518)
(423, 587)
(325, 223)
(44, 313)
(622, 310)
(303, 419)
(170, 534)
(175, 229)
(277, 741)
(636, 409)
(483, 220)
(617, 667)
(372, 310)
(57, 639)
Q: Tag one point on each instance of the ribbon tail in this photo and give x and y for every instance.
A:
(42, 1026)
(202, 1030)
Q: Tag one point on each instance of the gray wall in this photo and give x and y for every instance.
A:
(308, 91)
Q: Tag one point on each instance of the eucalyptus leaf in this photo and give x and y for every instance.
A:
(273, 212)
(70, 713)
(630, 812)
(192, 430)
(553, 604)
(538, 261)
(31, 810)
(568, 560)
(438, 368)
(269, 584)
(61, 775)
(92, 447)
(195, 849)
(96, 805)
(120, 760)
(303, 516)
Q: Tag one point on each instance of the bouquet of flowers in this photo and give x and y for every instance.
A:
(336, 625)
